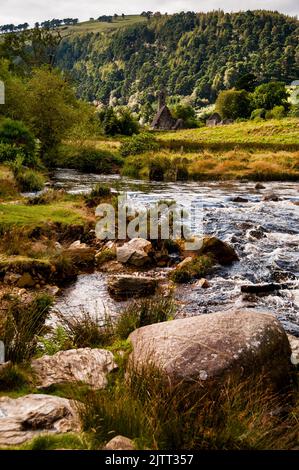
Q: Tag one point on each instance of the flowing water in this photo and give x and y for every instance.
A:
(264, 234)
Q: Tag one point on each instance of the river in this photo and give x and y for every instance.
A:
(265, 235)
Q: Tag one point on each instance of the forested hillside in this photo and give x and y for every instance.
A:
(190, 54)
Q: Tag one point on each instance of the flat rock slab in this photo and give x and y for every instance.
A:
(24, 418)
(211, 347)
(86, 365)
(125, 286)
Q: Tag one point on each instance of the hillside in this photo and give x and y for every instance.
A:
(103, 27)
(190, 54)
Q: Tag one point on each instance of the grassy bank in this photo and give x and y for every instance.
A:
(267, 150)
(273, 135)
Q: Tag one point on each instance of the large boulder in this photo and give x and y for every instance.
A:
(135, 252)
(126, 286)
(89, 366)
(211, 347)
(27, 417)
(219, 250)
(82, 255)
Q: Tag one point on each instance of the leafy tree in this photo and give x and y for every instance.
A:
(185, 112)
(52, 108)
(269, 95)
(246, 82)
(233, 104)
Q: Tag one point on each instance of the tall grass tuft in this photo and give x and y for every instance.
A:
(144, 312)
(24, 322)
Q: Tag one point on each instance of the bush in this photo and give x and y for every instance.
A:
(88, 159)
(23, 324)
(187, 114)
(278, 112)
(17, 139)
(30, 180)
(142, 313)
(233, 104)
(98, 193)
(269, 95)
(139, 144)
(259, 113)
(118, 122)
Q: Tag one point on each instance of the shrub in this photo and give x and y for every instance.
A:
(98, 193)
(30, 180)
(269, 95)
(195, 269)
(187, 114)
(58, 340)
(118, 122)
(20, 140)
(23, 324)
(259, 113)
(233, 104)
(88, 159)
(278, 112)
(139, 144)
(142, 313)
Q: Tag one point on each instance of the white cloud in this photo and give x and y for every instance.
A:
(19, 11)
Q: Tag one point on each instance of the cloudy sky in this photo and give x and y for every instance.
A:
(19, 11)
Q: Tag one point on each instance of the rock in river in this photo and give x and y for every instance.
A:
(24, 418)
(86, 365)
(211, 347)
(135, 252)
(126, 286)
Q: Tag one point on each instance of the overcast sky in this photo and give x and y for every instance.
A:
(20, 11)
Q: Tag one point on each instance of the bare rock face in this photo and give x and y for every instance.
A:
(210, 347)
(27, 417)
(120, 443)
(90, 366)
(126, 286)
(135, 252)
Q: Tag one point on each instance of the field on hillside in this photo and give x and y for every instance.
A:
(273, 135)
(102, 27)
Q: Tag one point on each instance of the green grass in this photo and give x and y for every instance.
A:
(55, 442)
(12, 215)
(275, 135)
(102, 27)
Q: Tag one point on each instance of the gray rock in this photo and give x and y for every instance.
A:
(24, 418)
(210, 347)
(120, 443)
(90, 366)
(125, 286)
(135, 252)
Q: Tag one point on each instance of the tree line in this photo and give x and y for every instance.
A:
(48, 24)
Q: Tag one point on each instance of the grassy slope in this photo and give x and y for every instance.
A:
(274, 134)
(267, 150)
(102, 27)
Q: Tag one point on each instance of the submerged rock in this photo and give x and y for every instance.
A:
(271, 197)
(89, 366)
(211, 347)
(24, 418)
(259, 186)
(125, 287)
